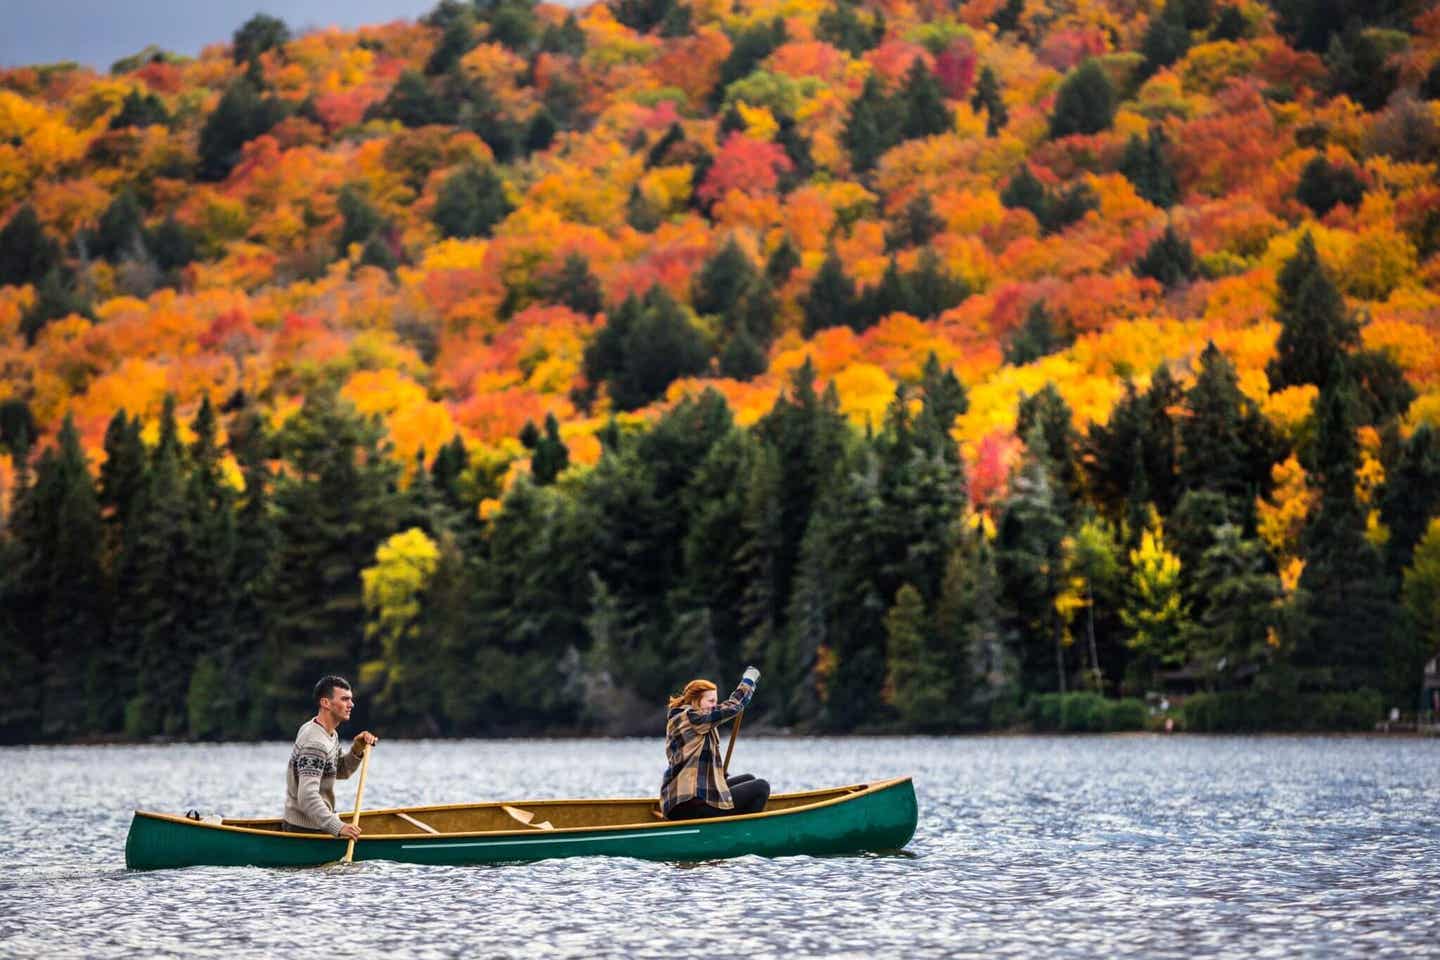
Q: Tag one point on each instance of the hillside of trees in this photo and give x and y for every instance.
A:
(522, 363)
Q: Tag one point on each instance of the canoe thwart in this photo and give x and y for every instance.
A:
(526, 817)
(415, 823)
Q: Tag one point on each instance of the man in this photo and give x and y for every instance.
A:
(315, 762)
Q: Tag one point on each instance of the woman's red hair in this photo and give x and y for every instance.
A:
(692, 693)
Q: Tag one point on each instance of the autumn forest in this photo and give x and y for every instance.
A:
(964, 364)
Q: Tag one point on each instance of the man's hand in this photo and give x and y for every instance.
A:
(752, 674)
(363, 740)
(350, 831)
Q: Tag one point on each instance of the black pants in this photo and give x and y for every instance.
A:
(748, 793)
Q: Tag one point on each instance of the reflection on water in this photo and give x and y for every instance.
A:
(1086, 847)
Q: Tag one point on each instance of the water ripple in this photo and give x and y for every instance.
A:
(1062, 847)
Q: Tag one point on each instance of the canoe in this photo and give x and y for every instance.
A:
(862, 817)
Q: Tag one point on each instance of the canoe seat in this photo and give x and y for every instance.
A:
(526, 817)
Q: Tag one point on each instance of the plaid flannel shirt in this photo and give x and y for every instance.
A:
(692, 747)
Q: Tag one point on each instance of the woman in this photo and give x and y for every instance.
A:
(695, 785)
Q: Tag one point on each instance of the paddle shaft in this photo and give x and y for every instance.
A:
(359, 794)
(734, 732)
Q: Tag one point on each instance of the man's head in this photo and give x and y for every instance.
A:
(334, 697)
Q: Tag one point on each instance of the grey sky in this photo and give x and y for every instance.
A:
(99, 32)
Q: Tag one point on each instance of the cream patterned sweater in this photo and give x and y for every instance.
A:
(315, 763)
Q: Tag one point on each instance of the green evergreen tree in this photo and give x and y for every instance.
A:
(1036, 338)
(1323, 186)
(1239, 607)
(722, 280)
(831, 300)
(919, 686)
(923, 105)
(1166, 39)
(576, 287)
(1169, 260)
(412, 102)
(1352, 597)
(742, 358)
(1086, 102)
(171, 244)
(1028, 565)
(1316, 330)
(334, 501)
(1026, 192)
(242, 115)
(1147, 168)
(917, 224)
(782, 262)
(56, 297)
(457, 39)
(27, 253)
(551, 456)
(1048, 412)
(872, 128)
(140, 110)
(987, 97)
(1411, 495)
(841, 27)
(260, 34)
(471, 203)
(1227, 445)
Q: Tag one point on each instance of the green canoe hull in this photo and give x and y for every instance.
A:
(876, 817)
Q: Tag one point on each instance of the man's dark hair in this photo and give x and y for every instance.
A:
(326, 687)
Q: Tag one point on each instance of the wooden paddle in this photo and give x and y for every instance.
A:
(734, 732)
(359, 794)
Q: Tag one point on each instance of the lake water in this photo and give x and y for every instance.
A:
(1140, 846)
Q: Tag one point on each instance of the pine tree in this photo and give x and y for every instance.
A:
(920, 688)
(1227, 445)
(1323, 187)
(334, 502)
(551, 456)
(1048, 412)
(1411, 495)
(1086, 102)
(987, 98)
(1239, 606)
(241, 116)
(69, 577)
(1028, 565)
(140, 109)
(1352, 597)
(1316, 331)
(916, 225)
(1166, 39)
(457, 40)
(831, 300)
(742, 358)
(782, 262)
(872, 126)
(471, 203)
(1168, 260)
(27, 254)
(413, 103)
(576, 287)
(722, 280)
(1147, 168)
(55, 298)
(260, 34)
(924, 113)
(1036, 338)
(1026, 192)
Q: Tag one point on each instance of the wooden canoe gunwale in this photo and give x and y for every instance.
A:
(832, 796)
